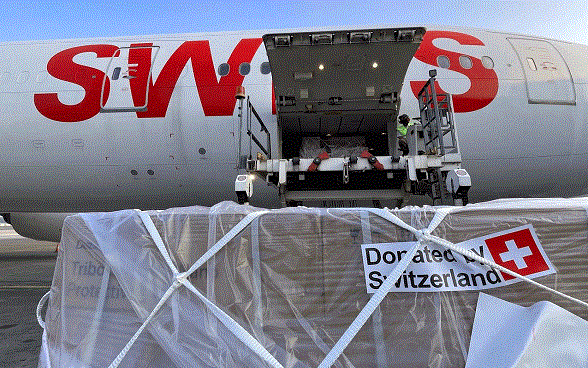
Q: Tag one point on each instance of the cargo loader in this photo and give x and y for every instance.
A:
(337, 108)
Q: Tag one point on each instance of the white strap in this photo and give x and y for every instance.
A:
(468, 253)
(115, 363)
(379, 295)
(401, 267)
(224, 240)
(157, 240)
(256, 282)
(363, 316)
(369, 308)
(182, 279)
(211, 274)
(40, 305)
(156, 236)
(378, 328)
(313, 334)
(45, 349)
(235, 328)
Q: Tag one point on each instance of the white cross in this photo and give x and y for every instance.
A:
(516, 254)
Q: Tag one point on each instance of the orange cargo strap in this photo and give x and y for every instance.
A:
(372, 160)
(317, 161)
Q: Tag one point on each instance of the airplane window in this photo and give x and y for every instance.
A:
(116, 73)
(265, 68)
(223, 69)
(443, 61)
(465, 62)
(41, 77)
(23, 77)
(487, 62)
(244, 68)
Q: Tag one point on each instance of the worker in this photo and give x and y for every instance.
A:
(402, 128)
(405, 122)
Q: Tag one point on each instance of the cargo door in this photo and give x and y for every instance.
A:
(127, 79)
(340, 82)
(547, 76)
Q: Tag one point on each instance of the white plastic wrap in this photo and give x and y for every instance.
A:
(292, 279)
(542, 335)
(335, 146)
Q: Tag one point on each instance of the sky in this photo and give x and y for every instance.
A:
(53, 19)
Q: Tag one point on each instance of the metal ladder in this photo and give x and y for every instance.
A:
(437, 119)
(251, 117)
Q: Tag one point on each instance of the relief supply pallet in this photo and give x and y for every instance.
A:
(338, 101)
(238, 286)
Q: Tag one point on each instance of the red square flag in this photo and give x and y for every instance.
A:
(519, 251)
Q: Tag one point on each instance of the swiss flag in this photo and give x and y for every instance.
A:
(519, 252)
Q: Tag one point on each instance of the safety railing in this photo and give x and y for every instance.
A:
(437, 119)
(252, 113)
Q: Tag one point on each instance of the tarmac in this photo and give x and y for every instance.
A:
(26, 273)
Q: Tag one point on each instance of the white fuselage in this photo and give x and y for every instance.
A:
(520, 111)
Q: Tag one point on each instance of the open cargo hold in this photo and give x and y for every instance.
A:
(293, 279)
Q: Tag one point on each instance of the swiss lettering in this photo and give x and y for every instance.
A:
(216, 96)
(484, 82)
(62, 66)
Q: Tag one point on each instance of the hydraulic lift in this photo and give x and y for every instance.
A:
(338, 101)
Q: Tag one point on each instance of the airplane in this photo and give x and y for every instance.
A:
(152, 121)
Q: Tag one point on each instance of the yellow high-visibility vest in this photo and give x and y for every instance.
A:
(402, 130)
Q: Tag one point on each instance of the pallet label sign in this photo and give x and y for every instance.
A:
(434, 268)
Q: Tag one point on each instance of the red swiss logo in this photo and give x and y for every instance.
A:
(519, 252)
